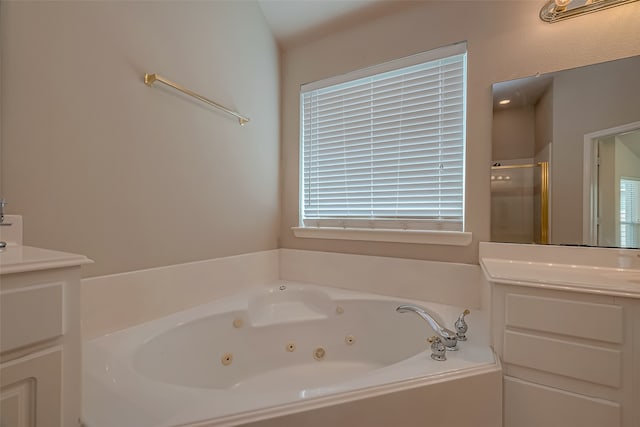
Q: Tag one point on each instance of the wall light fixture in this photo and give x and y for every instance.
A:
(557, 10)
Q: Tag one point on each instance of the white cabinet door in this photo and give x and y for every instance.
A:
(17, 404)
(569, 359)
(533, 405)
(31, 390)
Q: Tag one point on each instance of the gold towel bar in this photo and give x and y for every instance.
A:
(149, 79)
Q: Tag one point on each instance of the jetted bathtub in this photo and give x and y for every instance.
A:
(270, 352)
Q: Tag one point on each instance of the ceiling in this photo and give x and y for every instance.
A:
(294, 20)
(521, 92)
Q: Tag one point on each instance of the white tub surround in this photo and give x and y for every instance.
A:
(285, 349)
(40, 339)
(565, 321)
(442, 282)
(118, 301)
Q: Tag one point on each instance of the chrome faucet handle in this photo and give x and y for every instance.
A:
(438, 349)
(3, 203)
(461, 326)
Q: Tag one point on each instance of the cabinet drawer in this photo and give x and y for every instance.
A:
(30, 315)
(532, 405)
(584, 362)
(602, 322)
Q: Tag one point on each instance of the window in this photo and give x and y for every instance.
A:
(629, 213)
(382, 148)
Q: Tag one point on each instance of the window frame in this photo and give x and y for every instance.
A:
(377, 231)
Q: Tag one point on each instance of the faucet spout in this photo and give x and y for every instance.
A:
(448, 337)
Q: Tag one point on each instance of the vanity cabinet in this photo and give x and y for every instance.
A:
(568, 356)
(40, 342)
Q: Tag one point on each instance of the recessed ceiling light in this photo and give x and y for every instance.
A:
(504, 101)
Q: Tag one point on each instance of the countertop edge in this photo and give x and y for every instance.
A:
(37, 259)
(560, 285)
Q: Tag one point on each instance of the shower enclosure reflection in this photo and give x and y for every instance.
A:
(519, 202)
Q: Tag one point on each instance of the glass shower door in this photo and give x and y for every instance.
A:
(519, 203)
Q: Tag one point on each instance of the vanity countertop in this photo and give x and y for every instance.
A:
(19, 258)
(624, 282)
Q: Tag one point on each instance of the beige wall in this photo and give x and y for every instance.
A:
(132, 176)
(137, 177)
(506, 40)
(512, 134)
(544, 121)
(586, 100)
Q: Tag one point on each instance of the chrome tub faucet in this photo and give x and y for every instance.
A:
(447, 336)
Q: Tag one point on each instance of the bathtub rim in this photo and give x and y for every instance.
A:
(325, 401)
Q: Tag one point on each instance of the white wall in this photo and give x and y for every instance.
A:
(506, 40)
(131, 176)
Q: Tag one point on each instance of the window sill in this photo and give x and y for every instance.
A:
(451, 238)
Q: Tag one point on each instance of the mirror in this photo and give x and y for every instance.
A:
(566, 157)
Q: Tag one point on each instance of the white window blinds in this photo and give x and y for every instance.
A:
(384, 147)
(629, 212)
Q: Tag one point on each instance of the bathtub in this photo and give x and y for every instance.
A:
(287, 348)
